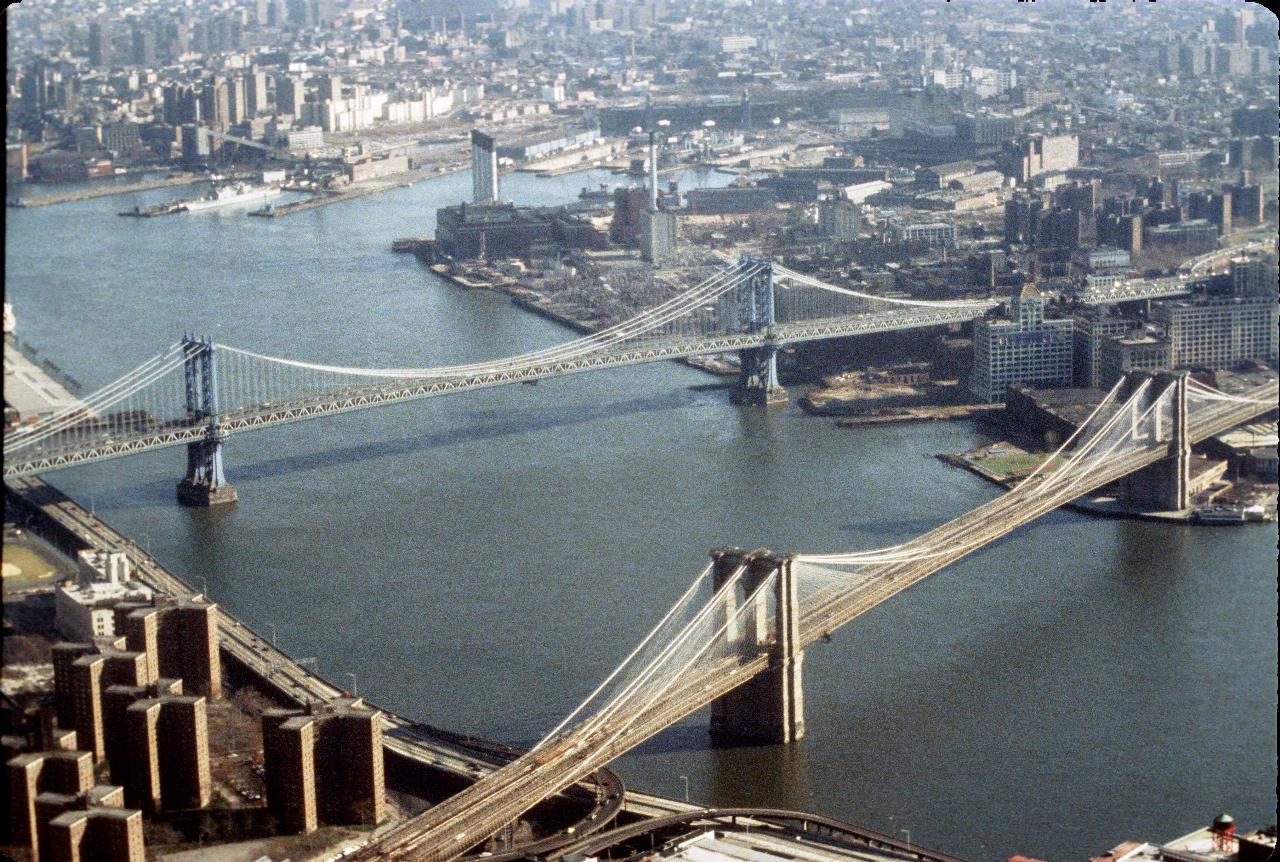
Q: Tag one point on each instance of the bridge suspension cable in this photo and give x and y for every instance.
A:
(1099, 430)
(711, 288)
(781, 272)
(97, 405)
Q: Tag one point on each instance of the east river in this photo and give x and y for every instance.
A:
(481, 561)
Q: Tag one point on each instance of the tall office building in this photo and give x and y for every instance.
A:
(1023, 347)
(324, 765)
(484, 168)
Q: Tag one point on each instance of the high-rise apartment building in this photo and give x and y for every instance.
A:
(324, 765)
(255, 84)
(99, 43)
(29, 775)
(1023, 347)
(97, 834)
(290, 95)
(179, 636)
(168, 753)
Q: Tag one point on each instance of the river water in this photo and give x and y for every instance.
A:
(481, 561)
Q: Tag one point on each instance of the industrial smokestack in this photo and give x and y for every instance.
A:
(653, 172)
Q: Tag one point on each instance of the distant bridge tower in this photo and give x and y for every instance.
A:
(1165, 485)
(758, 366)
(768, 709)
(204, 484)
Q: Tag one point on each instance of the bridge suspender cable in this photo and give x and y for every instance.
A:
(711, 288)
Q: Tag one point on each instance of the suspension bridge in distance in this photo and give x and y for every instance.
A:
(197, 392)
(735, 640)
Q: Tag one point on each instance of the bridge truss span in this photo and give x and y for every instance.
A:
(197, 392)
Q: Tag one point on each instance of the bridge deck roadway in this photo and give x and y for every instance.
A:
(39, 458)
(433, 747)
(469, 817)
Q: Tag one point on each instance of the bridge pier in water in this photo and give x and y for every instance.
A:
(758, 378)
(768, 709)
(758, 366)
(1165, 485)
(204, 484)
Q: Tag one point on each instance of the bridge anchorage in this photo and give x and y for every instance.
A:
(758, 366)
(205, 484)
(769, 708)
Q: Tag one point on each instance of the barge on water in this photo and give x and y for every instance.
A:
(157, 210)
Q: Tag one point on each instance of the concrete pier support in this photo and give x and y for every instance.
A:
(758, 378)
(204, 483)
(769, 708)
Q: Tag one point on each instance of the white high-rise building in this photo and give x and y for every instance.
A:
(1022, 348)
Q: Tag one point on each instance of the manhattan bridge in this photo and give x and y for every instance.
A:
(735, 639)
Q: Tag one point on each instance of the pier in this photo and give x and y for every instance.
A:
(106, 191)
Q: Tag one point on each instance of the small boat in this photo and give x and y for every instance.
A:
(1219, 515)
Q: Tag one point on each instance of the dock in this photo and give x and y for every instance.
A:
(337, 196)
(106, 191)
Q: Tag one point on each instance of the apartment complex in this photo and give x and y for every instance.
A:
(324, 765)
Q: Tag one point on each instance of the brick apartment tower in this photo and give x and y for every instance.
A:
(80, 673)
(181, 638)
(168, 740)
(67, 772)
(97, 835)
(324, 765)
(116, 700)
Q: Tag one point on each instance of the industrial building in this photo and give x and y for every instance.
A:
(1134, 351)
(1094, 325)
(1022, 348)
(500, 230)
(84, 607)
(1219, 332)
